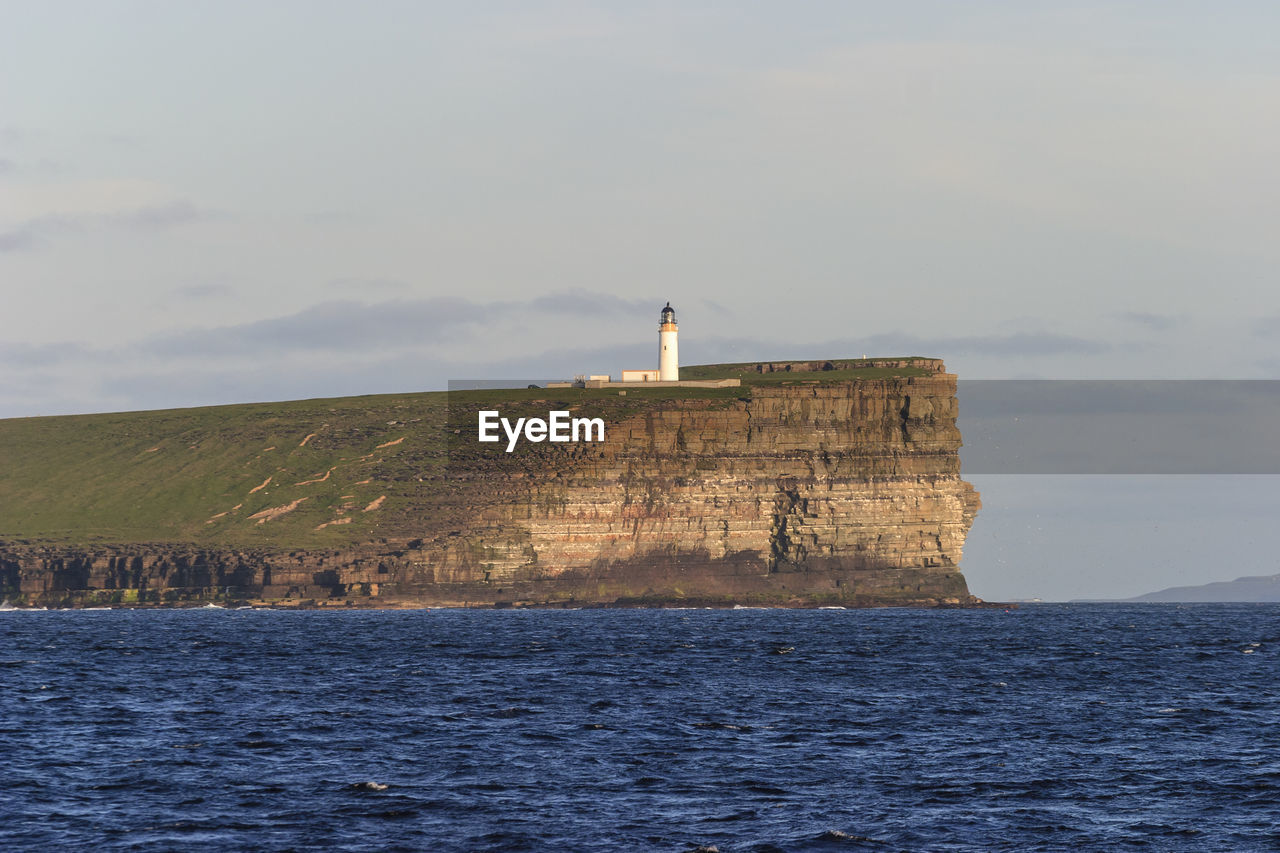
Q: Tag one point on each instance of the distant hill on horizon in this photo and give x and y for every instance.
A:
(1258, 588)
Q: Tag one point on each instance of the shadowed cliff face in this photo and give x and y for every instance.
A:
(845, 493)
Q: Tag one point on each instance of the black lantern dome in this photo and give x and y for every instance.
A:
(668, 315)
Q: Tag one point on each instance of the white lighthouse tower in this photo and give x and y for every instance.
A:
(668, 353)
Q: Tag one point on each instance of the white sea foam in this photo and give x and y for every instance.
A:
(11, 608)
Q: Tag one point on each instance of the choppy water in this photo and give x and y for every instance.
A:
(1093, 727)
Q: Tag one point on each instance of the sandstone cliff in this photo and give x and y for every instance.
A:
(804, 493)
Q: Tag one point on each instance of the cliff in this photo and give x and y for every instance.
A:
(827, 488)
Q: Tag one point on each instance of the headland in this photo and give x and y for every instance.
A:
(806, 483)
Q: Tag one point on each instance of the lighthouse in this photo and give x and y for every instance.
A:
(668, 353)
(667, 374)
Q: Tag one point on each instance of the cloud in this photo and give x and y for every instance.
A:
(718, 309)
(168, 215)
(1269, 366)
(203, 291)
(345, 329)
(7, 165)
(29, 356)
(589, 302)
(1023, 344)
(346, 326)
(337, 326)
(357, 284)
(1154, 322)
(1267, 327)
(171, 383)
(17, 240)
(34, 232)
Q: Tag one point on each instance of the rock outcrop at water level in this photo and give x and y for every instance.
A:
(836, 487)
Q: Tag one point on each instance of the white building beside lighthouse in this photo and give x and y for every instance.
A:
(668, 350)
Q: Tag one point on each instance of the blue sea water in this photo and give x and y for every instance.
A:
(1097, 727)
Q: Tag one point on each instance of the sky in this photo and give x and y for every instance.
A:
(215, 202)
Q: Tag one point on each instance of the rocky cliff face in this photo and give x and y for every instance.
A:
(844, 493)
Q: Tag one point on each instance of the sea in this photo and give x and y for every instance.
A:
(1045, 727)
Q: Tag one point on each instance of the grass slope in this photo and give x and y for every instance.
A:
(335, 471)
